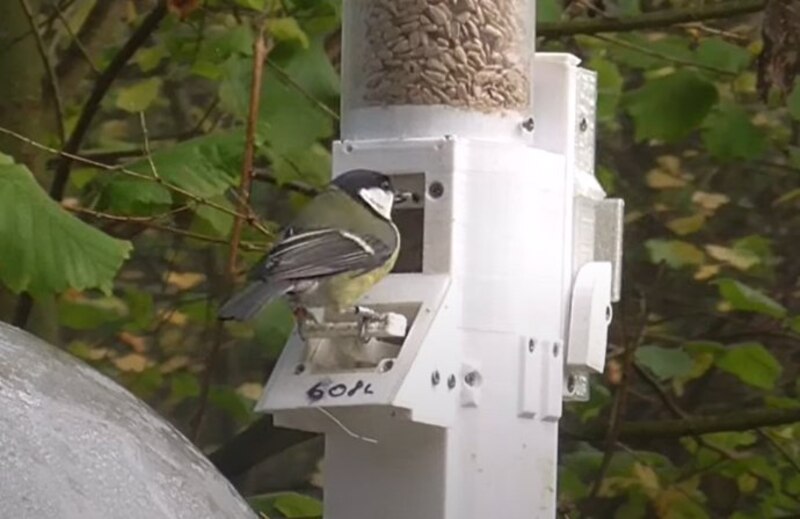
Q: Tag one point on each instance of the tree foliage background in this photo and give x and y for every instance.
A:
(122, 130)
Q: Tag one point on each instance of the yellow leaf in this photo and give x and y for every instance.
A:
(185, 280)
(135, 342)
(706, 272)
(132, 362)
(740, 259)
(173, 317)
(250, 390)
(789, 196)
(647, 478)
(746, 483)
(687, 224)
(660, 179)
(710, 201)
(670, 163)
(174, 364)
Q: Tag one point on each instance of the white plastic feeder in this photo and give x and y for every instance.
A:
(506, 314)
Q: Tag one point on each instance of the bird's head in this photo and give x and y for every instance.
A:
(370, 188)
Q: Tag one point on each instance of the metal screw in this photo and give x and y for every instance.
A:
(473, 378)
(608, 313)
(555, 349)
(386, 366)
(531, 345)
(451, 381)
(436, 190)
(528, 124)
(435, 378)
(584, 125)
(300, 368)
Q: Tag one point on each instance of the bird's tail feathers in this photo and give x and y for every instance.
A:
(245, 304)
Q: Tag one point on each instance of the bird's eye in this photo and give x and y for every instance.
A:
(386, 185)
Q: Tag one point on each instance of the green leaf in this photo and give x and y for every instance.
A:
(657, 52)
(91, 313)
(730, 135)
(731, 440)
(212, 221)
(665, 363)
(297, 505)
(133, 197)
(183, 386)
(793, 101)
(273, 326)
(47, 250)
(548, 11)
(256, 5)
(140, 308)
(609, 87)
(287, 504)
(747, 299)
(228, 400)
(752, 364)
(148, 59)
(675, 253)
(717, 53)
(670, 107)
(137, 97)
(205, 166)
(287, 29)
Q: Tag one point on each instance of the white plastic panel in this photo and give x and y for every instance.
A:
(590, 316)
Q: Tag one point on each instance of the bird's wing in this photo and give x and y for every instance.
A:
(319, 253)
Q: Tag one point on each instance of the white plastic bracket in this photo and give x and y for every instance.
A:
(541, 379)
(590, 315)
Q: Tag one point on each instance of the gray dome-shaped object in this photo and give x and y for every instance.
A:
(75, 445)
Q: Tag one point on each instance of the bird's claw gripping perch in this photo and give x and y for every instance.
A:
(366, 316)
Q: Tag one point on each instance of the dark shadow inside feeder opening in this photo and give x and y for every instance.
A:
(409, 216)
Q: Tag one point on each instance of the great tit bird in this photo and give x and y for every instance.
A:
(338, 247)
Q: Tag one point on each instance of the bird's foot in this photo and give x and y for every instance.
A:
(366, 317)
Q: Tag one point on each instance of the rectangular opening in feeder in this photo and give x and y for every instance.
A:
(337, 344)
(409, 216)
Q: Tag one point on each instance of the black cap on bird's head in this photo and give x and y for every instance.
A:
(370, 188)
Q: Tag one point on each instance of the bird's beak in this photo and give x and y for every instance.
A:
(405, 196)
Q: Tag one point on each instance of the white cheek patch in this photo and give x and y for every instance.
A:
(378, 199)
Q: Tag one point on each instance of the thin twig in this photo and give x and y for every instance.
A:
(76, 40)
(781, 450)
(297, 86)
(99, 91)
(653, 20)
(49, 70)
(296, 187)
(260, 51)
(147, 152)
(250, 217)
(150, 222)
(620, 400)
(665, 57)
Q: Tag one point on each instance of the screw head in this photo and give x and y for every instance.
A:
(451, 381)
(300, 368)
(472, 379)
(436, 190)
(528, 124)
(556, 347)
(435, 378)
(386, 365)
(584, 124)
(571, 383)
(531, 345)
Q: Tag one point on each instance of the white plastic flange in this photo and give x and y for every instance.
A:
(590, 315)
